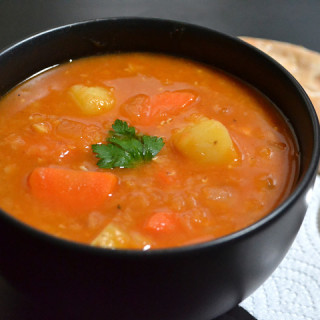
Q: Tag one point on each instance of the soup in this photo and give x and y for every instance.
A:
(142, 151)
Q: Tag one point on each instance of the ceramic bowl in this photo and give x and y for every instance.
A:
(203, 281)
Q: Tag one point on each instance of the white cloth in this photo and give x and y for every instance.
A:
(293, 290)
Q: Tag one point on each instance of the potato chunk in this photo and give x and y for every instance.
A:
(92, 100)
(205, 141)
(113, 236)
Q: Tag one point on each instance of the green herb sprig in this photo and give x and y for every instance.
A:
(125, 148)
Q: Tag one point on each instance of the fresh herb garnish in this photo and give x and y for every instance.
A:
(126, 148)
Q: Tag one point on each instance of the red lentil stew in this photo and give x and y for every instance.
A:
(142, 151)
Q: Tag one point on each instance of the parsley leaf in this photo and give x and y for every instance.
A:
(125, 148)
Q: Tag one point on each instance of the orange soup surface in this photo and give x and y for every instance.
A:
(226, 159)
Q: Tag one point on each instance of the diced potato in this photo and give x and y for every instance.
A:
(92, 100)
(112, 236)
(205, 141)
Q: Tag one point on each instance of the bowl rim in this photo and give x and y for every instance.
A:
(300, 188)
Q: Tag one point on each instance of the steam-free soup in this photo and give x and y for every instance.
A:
(141, 151)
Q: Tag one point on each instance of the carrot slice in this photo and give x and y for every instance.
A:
(171, 103)
(145, 110)
(72, 190)
(161, 222)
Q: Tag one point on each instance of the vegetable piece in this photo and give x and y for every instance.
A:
(161, 222)
(71, 190)
(205, 141)
(170, 103)
(113, 236)
(92, 100)
(141, 109)
(126, 149)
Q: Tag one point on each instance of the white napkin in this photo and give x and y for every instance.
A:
(293, 290)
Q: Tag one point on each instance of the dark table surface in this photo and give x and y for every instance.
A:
(295, 21)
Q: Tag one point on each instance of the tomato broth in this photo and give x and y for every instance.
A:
(228, 159)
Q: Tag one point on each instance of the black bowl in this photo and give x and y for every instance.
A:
(196, 282)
